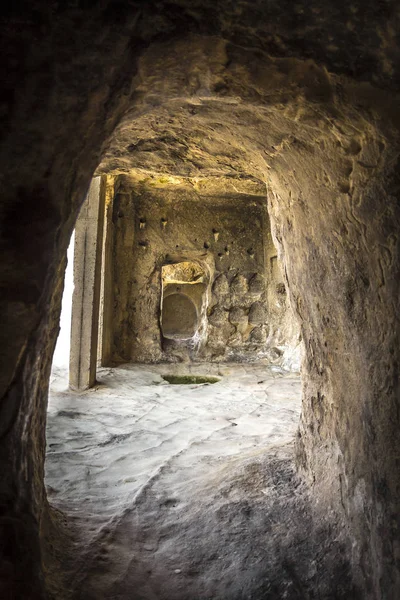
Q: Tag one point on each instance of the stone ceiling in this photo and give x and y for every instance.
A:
(206, 109)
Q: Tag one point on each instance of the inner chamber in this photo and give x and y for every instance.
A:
(194, 275)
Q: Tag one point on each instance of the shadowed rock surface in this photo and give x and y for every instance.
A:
(301, 98)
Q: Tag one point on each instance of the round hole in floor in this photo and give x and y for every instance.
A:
(187, 379)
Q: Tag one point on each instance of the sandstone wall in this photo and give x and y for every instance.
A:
(303, 96)
(246, 313)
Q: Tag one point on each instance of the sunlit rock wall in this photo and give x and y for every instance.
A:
(245, 312)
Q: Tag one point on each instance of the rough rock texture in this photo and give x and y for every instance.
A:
(328, 150)
(299, 95)
(210, 507)
(160, 220)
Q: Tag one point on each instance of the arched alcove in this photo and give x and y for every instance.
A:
(183, 300)
(179, 319)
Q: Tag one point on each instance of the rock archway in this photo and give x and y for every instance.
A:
(326, 149)
(181, 308)
(317, 126)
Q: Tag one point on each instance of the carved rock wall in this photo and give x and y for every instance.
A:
(328, 149)
(157, 224)
(303, 97)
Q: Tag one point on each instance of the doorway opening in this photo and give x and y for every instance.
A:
(62, 350)
(183, 297)
(183, 303)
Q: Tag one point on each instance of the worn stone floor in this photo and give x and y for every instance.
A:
(182, 492)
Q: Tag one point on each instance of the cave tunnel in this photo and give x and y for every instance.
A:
(262, 142)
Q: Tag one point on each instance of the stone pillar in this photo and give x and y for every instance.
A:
(87, 282)
(107, 290)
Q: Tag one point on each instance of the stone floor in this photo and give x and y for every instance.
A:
(180, 492)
